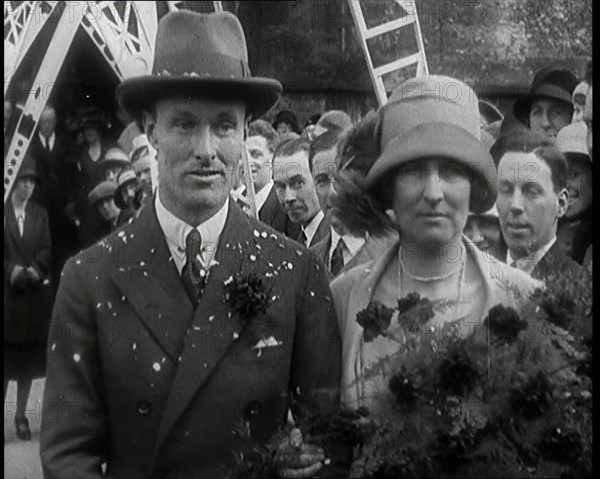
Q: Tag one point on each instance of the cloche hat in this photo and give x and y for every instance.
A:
(435, 116)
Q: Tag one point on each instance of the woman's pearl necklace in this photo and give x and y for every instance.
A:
(430, 279)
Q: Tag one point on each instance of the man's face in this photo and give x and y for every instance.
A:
(24, 188)
(527, 204)
(587, 117)
(108, 210)
(259, 158)
(295, 188)
(547, 117)
(323, 173)
(198, 144)
(47, 122)
(579, 185)
(284, 127)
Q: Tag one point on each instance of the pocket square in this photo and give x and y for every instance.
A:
(267, 343)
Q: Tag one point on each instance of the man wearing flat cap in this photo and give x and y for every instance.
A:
(194, 319)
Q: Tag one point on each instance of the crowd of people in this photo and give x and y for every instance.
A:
(420, 196)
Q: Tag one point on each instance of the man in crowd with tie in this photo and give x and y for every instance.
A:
(296, 192)
(339, 246)
(260, 143)
(532, 196)
(194, 319)
(50, 150)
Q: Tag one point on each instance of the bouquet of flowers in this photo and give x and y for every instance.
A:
(512, 399)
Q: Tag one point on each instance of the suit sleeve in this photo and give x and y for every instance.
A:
(74, 422)
(316, 362)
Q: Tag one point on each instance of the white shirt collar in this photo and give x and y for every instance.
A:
(261, 196)
(19, 210)
(311, 228)
(176, 231)
(528, 263)
(352, 245)
(50, 139)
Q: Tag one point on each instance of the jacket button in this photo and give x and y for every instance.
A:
(252, 409)
(144, 407)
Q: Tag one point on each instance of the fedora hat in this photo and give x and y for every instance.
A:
(435, 116)
(549, 82)
(125, 177)
(199, 54)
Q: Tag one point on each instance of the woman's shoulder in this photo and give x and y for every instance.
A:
(342, 285)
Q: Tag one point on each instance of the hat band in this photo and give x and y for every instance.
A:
(209, 65)
(127, 176)
(402, 116)
(552, 91)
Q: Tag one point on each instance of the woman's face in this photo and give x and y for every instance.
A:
(24, 188)
(91, 135)
(431, 201)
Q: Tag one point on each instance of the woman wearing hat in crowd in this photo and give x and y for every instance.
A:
(547, 108)
(126, 195)
(28, 294)
(431, 170)
(575, 227)
(286, 122)
(102, 199)
(113, 163)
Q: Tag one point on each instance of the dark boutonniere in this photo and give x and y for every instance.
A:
(247, 295)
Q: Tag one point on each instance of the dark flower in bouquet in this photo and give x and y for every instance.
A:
(532, 398)
(247, 295)
(504, 323)
(458, 373)
(404, 388)
(561, 445)
(560, 308)
(413, 308)
(375, 320)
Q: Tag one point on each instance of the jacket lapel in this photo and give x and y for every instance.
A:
(214, 328)
(150, 282)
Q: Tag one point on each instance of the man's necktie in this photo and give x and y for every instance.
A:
(193, 274)
(302, 238)
(337, 258)
(47, 141)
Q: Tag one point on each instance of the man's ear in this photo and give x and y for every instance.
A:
(563, 202)
(149, 123)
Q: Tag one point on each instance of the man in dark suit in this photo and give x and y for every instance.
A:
(296, 192)
(532, 196)
(340, 250)
(260, 144)
(168, 348)
(50, 152)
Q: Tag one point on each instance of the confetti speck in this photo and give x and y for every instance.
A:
(256, 233)
(236, 335)
(121, 234)
(312, 293)
(263, 234)
(53, 346)
(252, 257)
(134, 346)
(156, 367)
(76, 357)
(210, 318)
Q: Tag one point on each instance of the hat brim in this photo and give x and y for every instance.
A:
(522, 106)
(441, 140)
(259, 94)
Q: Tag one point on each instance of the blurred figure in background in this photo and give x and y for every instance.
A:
(333, 120)
(28, 294)
(113, 163)
(547, 108)
(579, 101)
(575, 227)
(483, 229)
(126, 195)
(102, 198)
(286, 122)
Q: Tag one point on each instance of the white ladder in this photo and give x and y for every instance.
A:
(410, 20)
